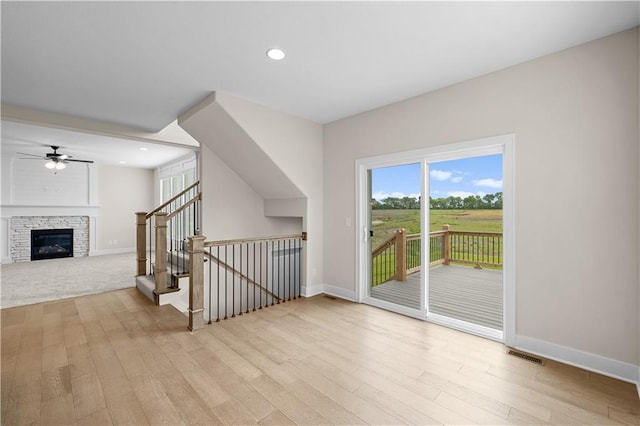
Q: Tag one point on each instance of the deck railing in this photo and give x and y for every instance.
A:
(400, 255)
(242, 276)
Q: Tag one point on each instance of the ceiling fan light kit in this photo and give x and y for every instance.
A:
(54, 160)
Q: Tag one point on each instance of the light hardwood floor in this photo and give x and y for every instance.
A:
(114, 358)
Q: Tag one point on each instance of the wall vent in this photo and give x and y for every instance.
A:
(526, 357)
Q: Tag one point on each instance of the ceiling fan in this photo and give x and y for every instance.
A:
(54, 159)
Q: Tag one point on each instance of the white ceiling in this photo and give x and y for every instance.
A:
(104, 150)
(141, 64)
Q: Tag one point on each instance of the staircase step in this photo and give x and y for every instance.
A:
(146, 284)
(180, 274)
(180, 259)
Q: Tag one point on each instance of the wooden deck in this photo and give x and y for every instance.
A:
(464, 293)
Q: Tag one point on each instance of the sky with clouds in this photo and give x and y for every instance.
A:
(458, 178)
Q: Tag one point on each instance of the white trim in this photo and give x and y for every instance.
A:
(310, 291)
(340, 292)
(361, 230)
(467, 327)
(393, 307)
(112, 251)
(585, 360)
(425, 243)
(509, 287)
(331, 290)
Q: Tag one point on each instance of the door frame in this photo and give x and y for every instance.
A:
(471, 148)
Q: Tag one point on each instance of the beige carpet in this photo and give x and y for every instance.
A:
(26, 283)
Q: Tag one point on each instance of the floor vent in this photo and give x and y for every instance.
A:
(526, 357)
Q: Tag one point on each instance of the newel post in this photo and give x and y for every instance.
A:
(447, 244)
(141, 243)
(196, 282)
(401, 254)
(160, 271)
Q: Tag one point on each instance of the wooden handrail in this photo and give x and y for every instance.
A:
(240, 274)
(476, 233)
(157, 209)
(302, 236)
(382, 247)
(185, 205)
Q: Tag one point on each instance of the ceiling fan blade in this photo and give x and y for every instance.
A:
(79, 161)
(32, 158)
(31, 155)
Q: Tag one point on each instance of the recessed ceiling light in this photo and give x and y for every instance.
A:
(144, 149)
(275, 54)
(123, 162)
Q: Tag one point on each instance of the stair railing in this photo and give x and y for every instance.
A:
(167, 228)
(242, 276)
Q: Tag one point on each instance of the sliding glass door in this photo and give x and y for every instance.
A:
(433, 235)
(395, 217)
(465, 283)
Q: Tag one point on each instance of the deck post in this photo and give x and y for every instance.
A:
(401, 254)
(141, 243)
(196, 282)
(447, 244)
(160, 271)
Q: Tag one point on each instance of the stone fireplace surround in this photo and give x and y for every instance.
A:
(20, 233)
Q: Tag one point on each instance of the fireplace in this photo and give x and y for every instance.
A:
(51, 243)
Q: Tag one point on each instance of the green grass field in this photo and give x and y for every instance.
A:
(385, 222)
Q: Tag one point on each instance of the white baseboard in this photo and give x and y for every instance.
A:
(112, 251)
(342, 293)
(588, 361)
(6, 260)
(310, 291)
(467, 327)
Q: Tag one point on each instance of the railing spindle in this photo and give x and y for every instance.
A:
(233, 282)
(210, 267)
(218, 307)
(262, 278)
(226, 276)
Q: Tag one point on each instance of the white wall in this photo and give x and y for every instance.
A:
(231, 208)
(296, 146)
(279, 156)
(33, 184)
(122, 191)
(575, 118)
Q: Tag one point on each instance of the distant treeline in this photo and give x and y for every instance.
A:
(472, 202)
